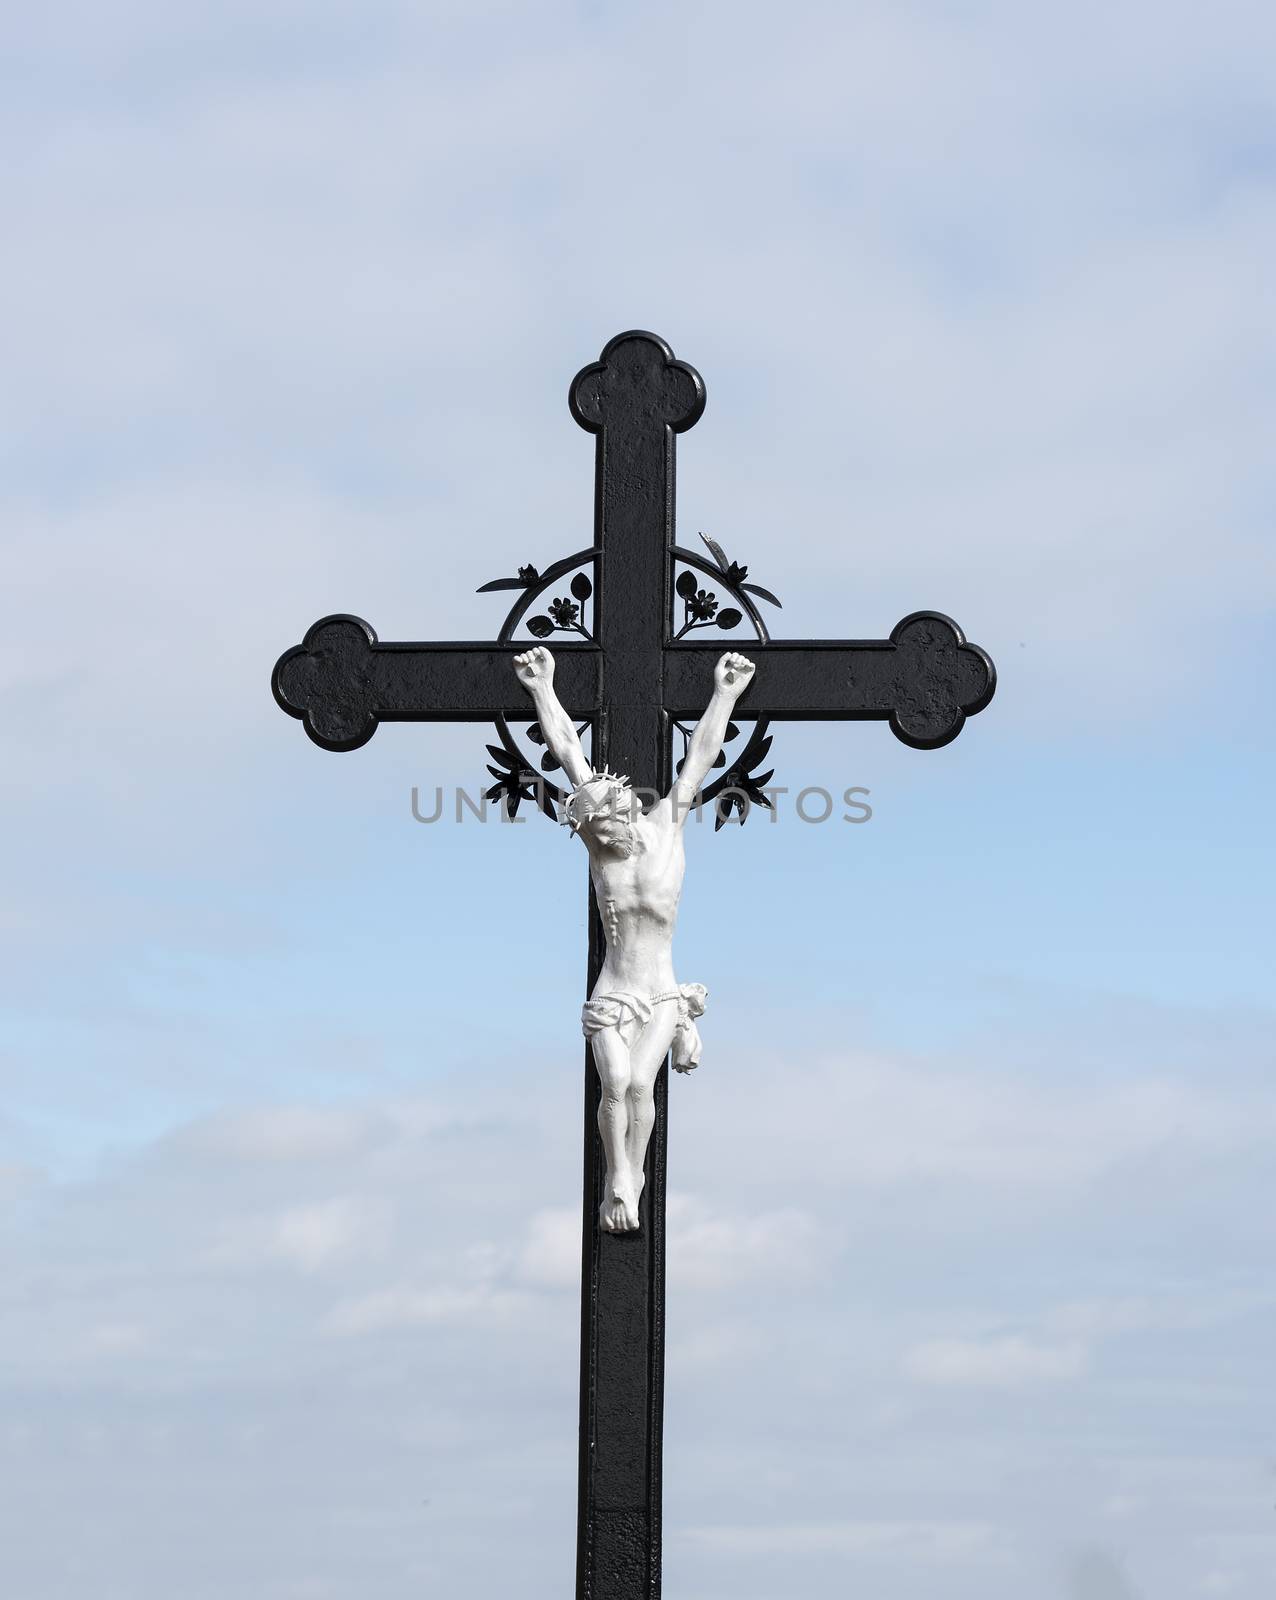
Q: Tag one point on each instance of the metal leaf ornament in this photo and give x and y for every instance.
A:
(527, 576)
(744, 787)
(741, 792)
(735, 574)
(514, 784)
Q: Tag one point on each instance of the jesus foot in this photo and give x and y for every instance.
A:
(619, 1211)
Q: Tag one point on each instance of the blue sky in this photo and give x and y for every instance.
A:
(971, 1221)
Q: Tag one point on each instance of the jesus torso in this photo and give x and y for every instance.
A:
(637, 898)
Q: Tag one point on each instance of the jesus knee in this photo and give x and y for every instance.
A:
(616, 1080)
(614, 1074)
(611, 1060)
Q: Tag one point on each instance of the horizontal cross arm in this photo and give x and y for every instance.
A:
(925, 679)
(341, 682)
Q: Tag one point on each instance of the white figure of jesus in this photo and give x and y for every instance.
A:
(638, 1010)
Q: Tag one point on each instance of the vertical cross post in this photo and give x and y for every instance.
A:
(635, 399)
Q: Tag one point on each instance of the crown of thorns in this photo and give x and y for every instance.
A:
(580, 805)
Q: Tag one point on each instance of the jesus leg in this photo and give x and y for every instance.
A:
(619, 1210)
(645, 1059)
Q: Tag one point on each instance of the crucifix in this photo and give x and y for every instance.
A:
(631, 671)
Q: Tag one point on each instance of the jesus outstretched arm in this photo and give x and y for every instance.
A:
(535, 670)
(731, 677)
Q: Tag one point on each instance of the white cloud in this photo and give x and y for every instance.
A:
(310, 1237)
(118, 1338)
(551, 1256)
(790, 1307)
(287, 1133)
(712, 1249)
(1007, 1362)
(993, 1130)
(16, 1180)
(1097, 1575)
(389, 1309)
(939, 1542)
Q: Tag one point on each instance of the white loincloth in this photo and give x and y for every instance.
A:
(625, 1007)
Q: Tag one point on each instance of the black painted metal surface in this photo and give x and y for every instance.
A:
(635, 399)
(631, 678)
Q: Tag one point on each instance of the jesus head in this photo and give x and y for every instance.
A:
(602, 812)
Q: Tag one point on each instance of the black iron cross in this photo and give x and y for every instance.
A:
(631, 681)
